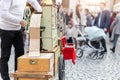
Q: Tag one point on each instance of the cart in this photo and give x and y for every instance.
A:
(30, 67)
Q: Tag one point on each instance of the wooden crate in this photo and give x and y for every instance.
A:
(34, 75)
(32, 79)
(57, 53)
(49, 43)
(44, 62)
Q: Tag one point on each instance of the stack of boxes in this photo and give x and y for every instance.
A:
(42, 65)
(50, 35)
(35, 65)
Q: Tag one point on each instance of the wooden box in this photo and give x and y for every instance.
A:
(44, 62)
(57, 53)
(35, 75)
(33, 79)
(50, 43)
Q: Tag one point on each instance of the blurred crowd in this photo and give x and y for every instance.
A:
(80, 18)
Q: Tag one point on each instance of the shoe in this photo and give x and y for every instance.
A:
(113, 49)
(105, 51)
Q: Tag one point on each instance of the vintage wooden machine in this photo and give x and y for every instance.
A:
(41, 65)
(50, 35)
(49, 20)
(35, 65)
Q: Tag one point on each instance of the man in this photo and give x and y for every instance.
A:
(103, 18)
(103, 21)
(11, 20)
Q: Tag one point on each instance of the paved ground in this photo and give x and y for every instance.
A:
(87, 69)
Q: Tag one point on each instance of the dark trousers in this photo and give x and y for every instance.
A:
(97, 45)
(116, 36)
(110, 34)
(104, 44)
(9, 38)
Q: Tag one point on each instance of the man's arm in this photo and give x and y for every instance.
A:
(35, 5)
(6, 15)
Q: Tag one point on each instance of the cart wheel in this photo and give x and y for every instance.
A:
(101, 56)
(79, 53)
(61, 68)
(94, 55)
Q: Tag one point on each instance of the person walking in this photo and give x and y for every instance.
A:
(103, 18)
(116, 25)
(79, 20)
(111, 31)
(68, 16)
(70, 32)
(89, 17)
(11, 20)
(79, 17)
(103, 21)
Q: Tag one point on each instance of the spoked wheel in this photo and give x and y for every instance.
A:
(61, 68)
(101, 56)
(94, 55)
(79, 53)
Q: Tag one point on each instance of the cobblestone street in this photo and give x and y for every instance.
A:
(85, 68)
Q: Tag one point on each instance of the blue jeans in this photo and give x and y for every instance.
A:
(116, 36)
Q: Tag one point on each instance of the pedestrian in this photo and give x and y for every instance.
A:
(11, 20)
(69, 32)
(89, 17)
(110, 31)
(103, 21)
(79, 17)
(116, 26)
(68, 16)
(93, 20)
(103, 18)
(79, 20)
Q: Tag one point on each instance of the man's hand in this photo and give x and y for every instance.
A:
(23, 23)
(105, 29)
